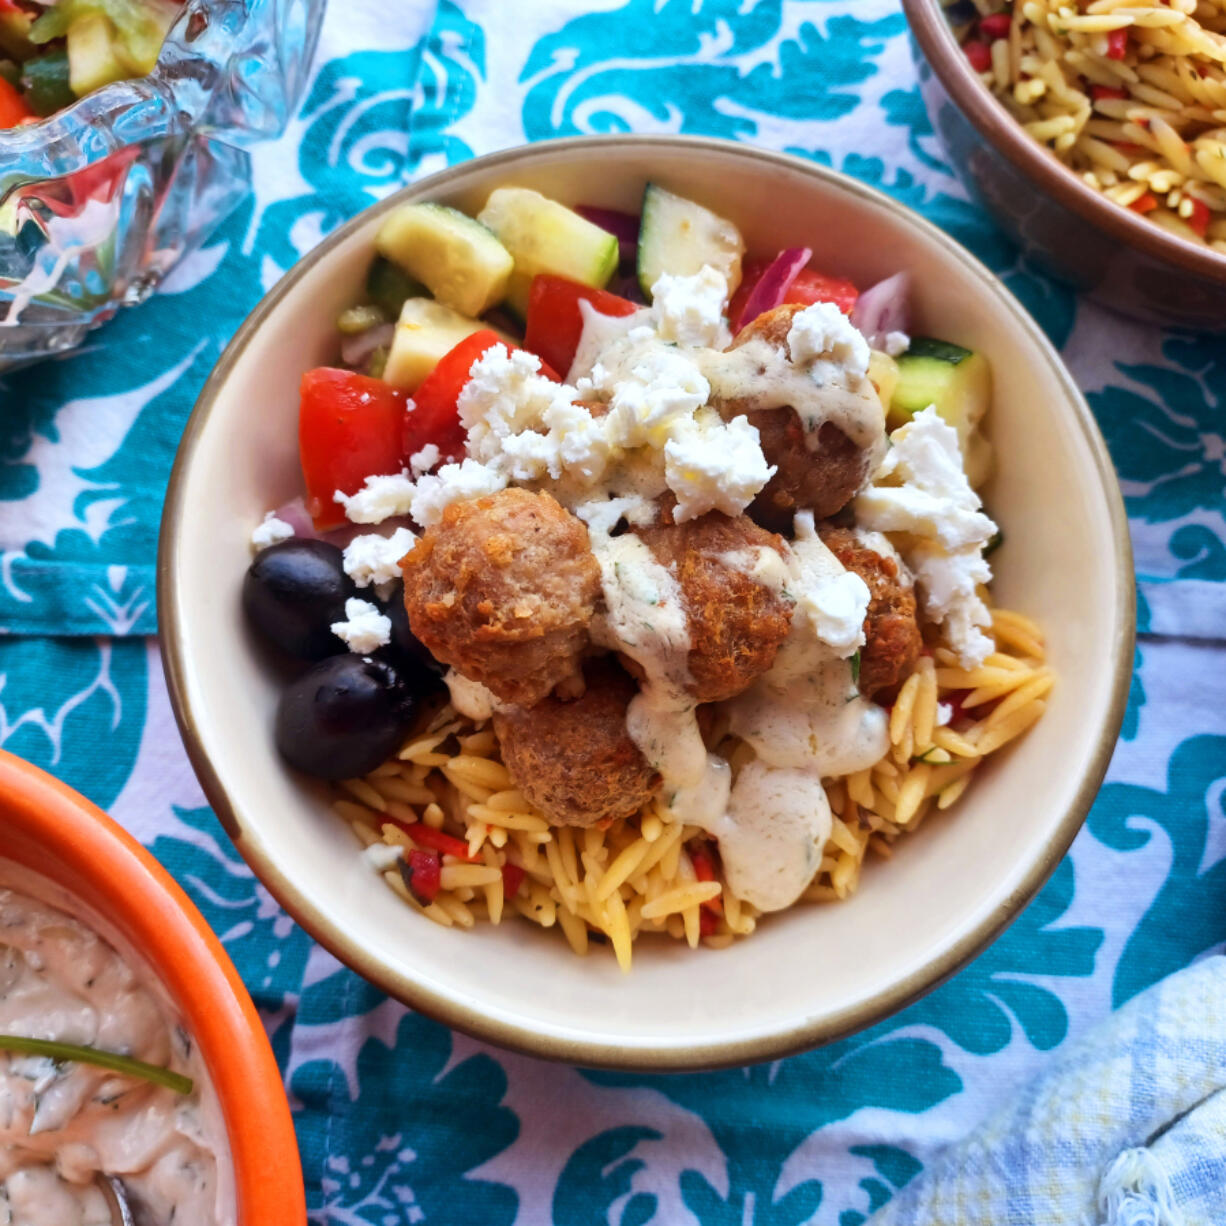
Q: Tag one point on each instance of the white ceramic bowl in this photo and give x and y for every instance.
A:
(808, 975)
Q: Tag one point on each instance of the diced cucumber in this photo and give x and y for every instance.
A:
(957, 381)
(426, 332)
(93, 54)
(45, 81)
(678, 236)
(388, 287)
(458, 260)
(545, 236)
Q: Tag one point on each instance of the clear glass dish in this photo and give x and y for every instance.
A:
(100, 200)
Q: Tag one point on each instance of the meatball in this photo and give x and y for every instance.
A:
(502, 589)
(736, 621)
(574, 760)
(892, 640)
(823, 477)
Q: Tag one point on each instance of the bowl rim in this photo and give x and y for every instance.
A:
(936, 39)
(805, 1033)
(169, 933)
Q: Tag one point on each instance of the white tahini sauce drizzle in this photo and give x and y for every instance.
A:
(61, 1123)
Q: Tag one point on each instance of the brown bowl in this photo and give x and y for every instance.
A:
(1065, 228)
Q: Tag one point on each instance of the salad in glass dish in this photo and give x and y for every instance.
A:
(641, 583)
(53, 52)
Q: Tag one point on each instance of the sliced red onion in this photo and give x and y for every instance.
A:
(356, 349)
(296, 515)
(884, 308)
(772, 286)
(624, 225)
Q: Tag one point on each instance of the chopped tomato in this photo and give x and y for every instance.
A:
(350, 427)
(1098, 92)
(979, 55)
(555, 320)
(1198, 219)
(808, 287)
(996, 25)
(13, 109)
(1145, 203)
(1117, 44)
(512, 879)
(421, 870)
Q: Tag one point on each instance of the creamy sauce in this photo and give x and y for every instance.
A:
(61, 1124)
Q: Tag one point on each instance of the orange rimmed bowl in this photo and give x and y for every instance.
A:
(52, 830)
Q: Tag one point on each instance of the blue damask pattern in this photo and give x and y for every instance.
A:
(400, 1121)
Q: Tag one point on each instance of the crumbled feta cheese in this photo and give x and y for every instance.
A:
(470, 698)
(382, 856)
(921, 490)
(710, 465)
(375, 559)
(381, 497)
(603, 514)
(823, 340)
(690, 310)
(424, 460)
(829, 598)
(435, 492)
(945, 713)
(895, 343)
(270, 531)
(365, 628)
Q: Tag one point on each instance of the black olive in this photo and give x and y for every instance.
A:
(293, 592)
(344, 716)
(405, 648)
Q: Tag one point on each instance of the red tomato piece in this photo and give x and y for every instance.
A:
(1117, 44)
(1199, 217)
(1145, 203)
(512, 879)
(996, 25)
(555, 321)
(350, 427)
(421, 870)
(13, 109)
(978, 54)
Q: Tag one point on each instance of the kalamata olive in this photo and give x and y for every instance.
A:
(293, 592)
(344, 716)
(405, 646)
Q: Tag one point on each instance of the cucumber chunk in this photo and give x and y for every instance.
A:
(545, 236)
(957, 381)
(93, 54)
(388, 286)
(45, 81)
(426, 332)
(678, 236)
(458, 260)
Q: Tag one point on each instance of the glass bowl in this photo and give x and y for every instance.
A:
(100, 200)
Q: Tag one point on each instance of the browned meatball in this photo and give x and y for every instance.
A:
(892, 640)
(822, 474)
(574, 760)
(736, 623)
(503, 589)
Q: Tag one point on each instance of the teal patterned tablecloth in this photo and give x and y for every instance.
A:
(400, 1120)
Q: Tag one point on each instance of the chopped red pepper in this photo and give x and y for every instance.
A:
(420, 871)
(708, 923)
(1098, 92)
(996, 25)
(1129, 148)
(1117, 44)
(978, 54)
(349, 428)
(13, 108)
(436, 840)
(555, 320)
(1199, 217)
(512, 878)
(1145, 203)
(704, 869)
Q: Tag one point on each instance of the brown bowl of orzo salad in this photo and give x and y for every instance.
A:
(618, 572)
(1096, 135)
